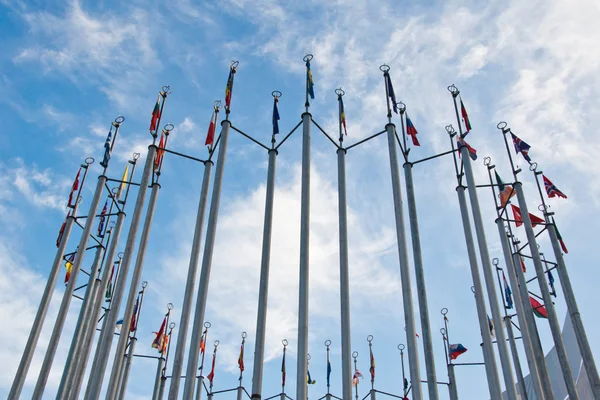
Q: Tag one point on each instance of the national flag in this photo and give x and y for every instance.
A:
(119, 324)
(211, 375)
(465, 117)
(521, 147)
(160, 336)
(229, 87)
(356, 377)
(61, 231)
(506, 191)
(328, 369)
(159, 153)
(203, 343)
(107, 149)
(456, 350)
(412, 131)
(275, 116)
(210, 135)
(460, 142)
(523, 267)
(133, 323)
(102, 219)
(390, 90)
(124, 180)
(109, 286)
(507, 292)
(165, 344)
(535, 220)
(491, 327)
(69, 267)
(372, 368)
(241, 358)
(550, 189)
(343, 115)
(155, 115)
(560, 239)
(283, 369)
(310, 84)
(74, 189)
(538, 309)
(551, 283)
(309, 380)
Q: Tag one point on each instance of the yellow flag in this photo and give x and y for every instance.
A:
(124, 181)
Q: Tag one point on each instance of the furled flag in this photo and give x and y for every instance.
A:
(119, 324)
(405, 387)
(124, 180)
(203, 343)
(356, 377)
(229, 87)
(61, 231)
(275, 116)
(241, 358)
(507, 292)
(160, 336)
(159, 153)
(165, 344)
(390, 90)
(560, 239)
(412, 131)
(372, 367)
(506, 191)
(465, 117)
(521, 147)
(210, 135)
(133, 323)
(343, 115)
(211, 375)
(309, 380)
(283, 369)
(491, 326)
(538, 309)
(460, 142)
(106, 157)
(69, 267)
(328, 369)
(109, 287)
(102, 219)
(456, 350)
(523, 267)
(550, 189)
(75, 187)
(551, 283)
(155, 115)
(310, 84)
(535, 220)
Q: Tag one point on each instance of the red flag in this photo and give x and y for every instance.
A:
(412, 131)
(64, 225)
(69, 267)
(155, 115)
(159, 153)
(465, 116)
(535, 220)
(552, 190)
(210, 136)
(159, 339)
(74, 189)
(560, 239)
(203, 343)
(372, 368)
(522, 264)
(538, 309)
(211, 375)
(241, 358)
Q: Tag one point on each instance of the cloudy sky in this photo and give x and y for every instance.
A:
(69, 68)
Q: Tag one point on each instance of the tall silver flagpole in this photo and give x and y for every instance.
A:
(407, 301)
(503, 351)
(209, 244)
(159, 377)
(419, 273)
(559, 345)
(36, 329)
(263, 291)
(452, 387)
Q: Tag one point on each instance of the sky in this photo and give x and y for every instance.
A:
(69, 68)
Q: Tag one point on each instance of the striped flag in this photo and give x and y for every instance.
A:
(506, 191)
(412, 131)
(460, 142)
(211, 375)
(133, 323)
(158, 342)
(61, 231)
(74, 189)
(356, 377)
(560, 239)
(372, 368)
(343, 115)
(507, 292)
(310, 84)
(155, 115)
(465, 117)
(548, 185)
(229, 87)
(107, 149)
(102, 219)
(69, 267)
(210, 135)
(538, 309)
(159, 153)
(456, 350)
(521, 147)
(241, 358)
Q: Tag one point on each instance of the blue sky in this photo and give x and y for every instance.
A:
(69, 68)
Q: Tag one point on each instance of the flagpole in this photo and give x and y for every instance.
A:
(372, 391)
(401, 347)
(200, 386)
(539, 270)
(240, 389)
(209, 244)
(354, 356)
(42, 311)
(263, 292)
(163, 380)
(409, 318)
(419, 270)
(572, 307)
(328, 395)
(188, 295)
(284, 342)
(159, 378)
(344, 273)
(452, 387)
(302, 366)
(485, 262)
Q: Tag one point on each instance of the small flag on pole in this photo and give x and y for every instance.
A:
(551, 189)
(69, 267)
(523, 267)
(283, 369)
(460, 142)
(159, 153)
(491, 327)
(74, 189)
(119, 325)
(61, 231)
(551, 283)
(507, 292)
(109, 286)
(412, 131)
(155, 115)
(106, 157)
(133, 323)
(456, 350)
(229, 87)
(521, 147)
(390, 90)
(210, 135)
(372, 367)
(124, 180)
(506, 191)
(560, 239)
(158, 342)
(309, 380)
(328, 368)
(211, 375)
(343, 115)
(241, 358)
(538, 309)
(356, 377)
(465, 117)
(310, 84)
(102, 219)
(275, 116)
(535, 220)
(203, 343)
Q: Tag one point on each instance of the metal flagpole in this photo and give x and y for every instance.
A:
(192, 365)
(263, 291)
(539, 271)
(36, 329)
(302, 362)
(401, 347)
(371, 368)
(203, 338)
(159, 378)
(572, 307)
(355, 356)
(452, 388)
(419, 271)
(163, 380)
(344, 274)
(328, 395)
(485, 261)
(409, 317)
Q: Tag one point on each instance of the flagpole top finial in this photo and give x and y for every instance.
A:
(170, 306)
(443, 331)
(340, 92)
(112, 224)
(444, 311)
(503, 126)
(216, 344)
(172, 325)
(136, 156)
(401, 347)
(384, 68)
(450, 130)
(473, 289)
(276, 94)
(308, 57)
(244, 335)
(284, 342)
(454, 90)
(119, 120)
(328, 343)
(401, 107)
(533, 166)
(354, 354)
(370, 338)
(166, 90)
(487, 162)
(207, 324)
(120, 255)
(89, 161)
(234, 64)
(168, 128)
(144, 284)
(495, 262)
(217, 105)
(543, 208)
(308, 356)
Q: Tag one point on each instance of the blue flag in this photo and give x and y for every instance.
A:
(507, 293)
(310, 84)
(275, 116)
(309, 380)
(328, 368)
(551, 283)
(390, 90)
(106, 158)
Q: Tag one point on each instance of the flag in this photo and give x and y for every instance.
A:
(165, 344)
(74, 189)
(283, 369)
(535, 220)
(460, 142)
(538, 309)
(412, 131)
(203, 343)
(405, 384)
(560, 239)
(523, 267)
(310, 84)
(491, 326)
(210, 135)
(241, 358)
(506, 191)
(160, 337)
(465, 117)
(390, 90)
(159, 153)
(507, 292)
(309, 379)
(343, 115)
(155, 115)
(328, 369)
(551, 283)
(106, 157)
(456, 350)
(229, 87)
(61, 231)
(211, 375)
(133, 323)
(109, 287)
(521, 147)
(102, 219)
(69, 267)
(119, 324)
(372, 368)
(356, 377)
(275, 116)
(124, 180)
(550, 189)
